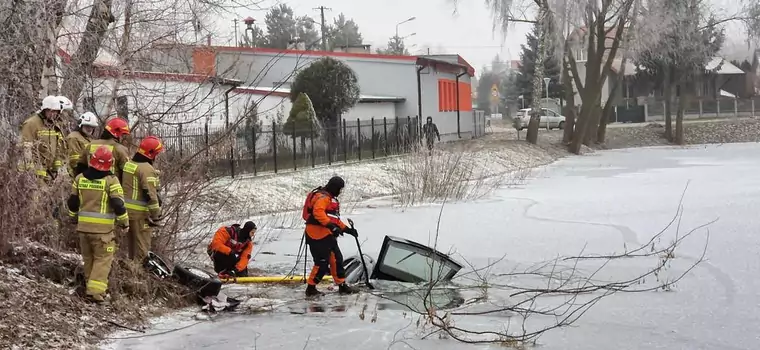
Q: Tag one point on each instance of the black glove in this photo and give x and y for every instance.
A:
(351, 231)
(335, 229)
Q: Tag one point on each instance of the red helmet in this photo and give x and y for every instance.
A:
(102, 159)
(150, 147)
(117, 127)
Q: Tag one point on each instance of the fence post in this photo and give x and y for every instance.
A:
(753, 108)
(253, 136)
(398, 141)
(385, 135)
(700, 108)
(205, 136)
(232, 152)
(329, 144)
(736, 109)
(274, 144)
(345, 143)
(311, 130)
(717, 113)
(181, 149)
(408, 138)
(295, 158)
(359, 137)
(372, 130)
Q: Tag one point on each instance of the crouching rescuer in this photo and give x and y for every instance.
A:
(231, 248)
(323, 226)
(96, 203)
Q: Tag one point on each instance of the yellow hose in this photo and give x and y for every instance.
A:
(271, 279)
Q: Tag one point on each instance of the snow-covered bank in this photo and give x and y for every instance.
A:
(600, 203)
(491, 156)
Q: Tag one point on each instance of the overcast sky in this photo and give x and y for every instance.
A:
(466, 29)
(467, 32)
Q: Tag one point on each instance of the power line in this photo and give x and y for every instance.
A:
(324, 27)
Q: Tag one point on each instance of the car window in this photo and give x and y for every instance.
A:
(551, 113)
(409, 263)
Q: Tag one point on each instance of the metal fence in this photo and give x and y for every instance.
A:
(653, 109)
(272, 148)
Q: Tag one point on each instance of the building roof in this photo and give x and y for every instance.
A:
(460, 62)
(725, 68)
(110, 72)
(285, 92)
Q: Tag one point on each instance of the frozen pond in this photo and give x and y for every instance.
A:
(596, 203)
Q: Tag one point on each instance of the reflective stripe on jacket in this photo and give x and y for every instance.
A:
(140, 182)
(43, 145)
(75, 143)
(96, 213)
(119, 151)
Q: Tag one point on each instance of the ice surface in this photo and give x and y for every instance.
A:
(596, 203)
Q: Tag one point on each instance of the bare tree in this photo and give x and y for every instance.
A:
(547, 295)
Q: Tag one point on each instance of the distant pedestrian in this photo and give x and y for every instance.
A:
(430, 130)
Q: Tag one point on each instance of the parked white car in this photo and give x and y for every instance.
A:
(549, 119)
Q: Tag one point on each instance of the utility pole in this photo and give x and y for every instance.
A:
(324, 27)
(236, 35)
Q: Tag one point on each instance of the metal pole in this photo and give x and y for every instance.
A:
(253, 135)
(295, 157)
(345, 143)
(372, 130)
(385, 136)
(311, 129)
(359, 137)
(274, 144)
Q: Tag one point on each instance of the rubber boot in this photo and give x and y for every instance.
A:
(345, 289)
(311, 291)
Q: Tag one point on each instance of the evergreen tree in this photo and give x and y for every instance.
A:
(344, 32)
(301, 120)
(552, 69)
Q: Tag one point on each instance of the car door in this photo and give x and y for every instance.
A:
(544, 118)
(552, 119)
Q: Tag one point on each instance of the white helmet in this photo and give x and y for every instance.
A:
(66, 103)
(52, 103)
(88, 119)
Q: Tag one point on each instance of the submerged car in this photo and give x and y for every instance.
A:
(402, 269)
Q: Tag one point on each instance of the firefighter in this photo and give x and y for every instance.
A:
(323, 226)
(95, 204)
(78, 139)
(231, 248)
(115, 130)
(141, 184)
(67, 108)
(42, 140)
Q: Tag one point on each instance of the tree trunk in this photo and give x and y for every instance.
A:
(594, 117)
(668, 94)
(569, 111)
(49, 79)
(538, 81)
(87, 52)
(682, 103)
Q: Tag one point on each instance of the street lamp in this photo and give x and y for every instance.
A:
(409, 36)
(402, 22)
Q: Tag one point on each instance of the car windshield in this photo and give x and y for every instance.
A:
(407, 261)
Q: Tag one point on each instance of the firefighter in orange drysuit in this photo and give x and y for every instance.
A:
(323, 226)
(231, 248)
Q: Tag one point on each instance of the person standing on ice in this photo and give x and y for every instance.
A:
(231, 248)
(321, 212)
(430, 130)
